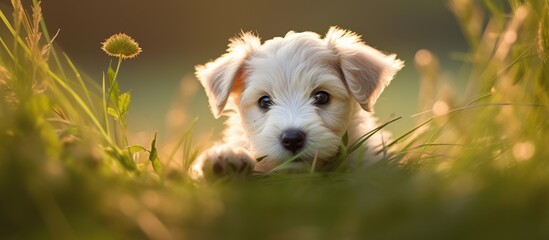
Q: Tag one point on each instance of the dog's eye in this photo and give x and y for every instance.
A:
(265, 102)
(321, 98)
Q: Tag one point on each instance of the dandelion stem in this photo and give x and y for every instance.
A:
(121, 117)
(117, 68)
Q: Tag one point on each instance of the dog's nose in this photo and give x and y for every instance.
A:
(293, 139)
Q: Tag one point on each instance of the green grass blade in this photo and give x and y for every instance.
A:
(82, 105)
(48, 39)
(14, 33)
(79, 78)
(7, 49)
(184, 140)
(105, 108)
(360, 141)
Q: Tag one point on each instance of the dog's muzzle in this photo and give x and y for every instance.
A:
(293, 140)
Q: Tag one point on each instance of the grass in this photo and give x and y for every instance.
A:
(475, 166)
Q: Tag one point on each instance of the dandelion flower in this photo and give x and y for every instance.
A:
(121, 45)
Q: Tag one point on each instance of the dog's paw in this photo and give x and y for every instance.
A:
(220, 161)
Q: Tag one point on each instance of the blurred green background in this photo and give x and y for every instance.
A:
(176, 35)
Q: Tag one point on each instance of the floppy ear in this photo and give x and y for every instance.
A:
(219, 76)
(366, 70)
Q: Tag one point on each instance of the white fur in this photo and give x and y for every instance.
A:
(291, 70)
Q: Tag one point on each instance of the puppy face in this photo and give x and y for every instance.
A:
(294, 99)
(298, 93)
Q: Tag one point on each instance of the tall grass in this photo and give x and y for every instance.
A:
(474, 167)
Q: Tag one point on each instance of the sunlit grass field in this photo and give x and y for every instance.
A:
(475, 166)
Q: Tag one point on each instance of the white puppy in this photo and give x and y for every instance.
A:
(294, 95)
